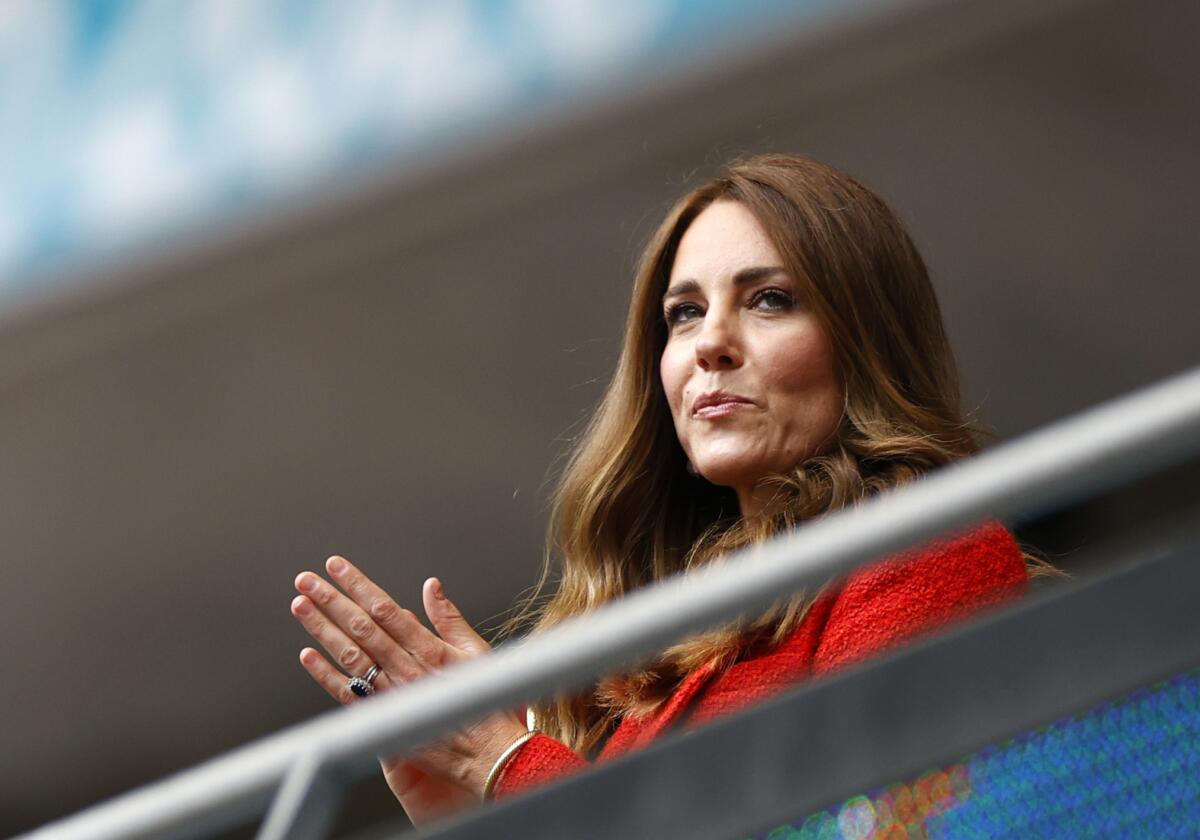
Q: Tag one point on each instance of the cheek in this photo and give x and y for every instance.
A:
(673, 375)
(803, 369)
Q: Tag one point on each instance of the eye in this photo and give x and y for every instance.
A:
(772, 300)
(680, 313)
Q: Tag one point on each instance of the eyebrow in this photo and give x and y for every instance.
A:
(744, 277)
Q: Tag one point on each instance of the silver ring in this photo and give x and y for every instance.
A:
(364, 686)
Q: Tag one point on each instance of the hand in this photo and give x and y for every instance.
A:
(361, 625)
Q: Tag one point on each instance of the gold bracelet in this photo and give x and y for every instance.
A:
(502, 762)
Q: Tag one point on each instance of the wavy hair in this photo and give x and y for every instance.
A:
(626, 511)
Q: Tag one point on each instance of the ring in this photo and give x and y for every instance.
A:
(365, 686)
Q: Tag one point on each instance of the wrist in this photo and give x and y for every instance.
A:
(502, 760)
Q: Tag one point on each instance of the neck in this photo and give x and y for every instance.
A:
(753, 500)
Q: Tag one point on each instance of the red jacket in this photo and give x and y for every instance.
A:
(875, 609)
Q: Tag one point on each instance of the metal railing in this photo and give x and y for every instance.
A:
(987, 687)
(310, 764)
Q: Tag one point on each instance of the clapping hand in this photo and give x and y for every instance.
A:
(360, 626)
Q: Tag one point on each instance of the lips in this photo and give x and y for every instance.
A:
(719, 404)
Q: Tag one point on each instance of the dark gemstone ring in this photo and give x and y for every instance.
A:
(365, 686)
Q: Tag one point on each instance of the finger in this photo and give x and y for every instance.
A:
(448, 621)
(360, 628)
(332, 680)
(348, 655)
(402, 775)
(397, 623)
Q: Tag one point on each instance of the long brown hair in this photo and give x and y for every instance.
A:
(627, 512)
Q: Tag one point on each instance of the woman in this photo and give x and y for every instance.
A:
(784, 357)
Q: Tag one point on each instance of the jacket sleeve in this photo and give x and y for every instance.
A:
(917, 592)
(876, 609)
(540, 760)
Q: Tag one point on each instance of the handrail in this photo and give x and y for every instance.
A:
(993, 682)
(1104, 446)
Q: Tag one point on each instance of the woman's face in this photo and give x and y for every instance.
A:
(748, 371)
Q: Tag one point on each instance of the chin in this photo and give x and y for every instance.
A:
(726, 472)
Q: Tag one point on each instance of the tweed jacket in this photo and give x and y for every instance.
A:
(872, 610)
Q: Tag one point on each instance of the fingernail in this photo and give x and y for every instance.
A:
(336, 565)
(437, 590)
(306, 582)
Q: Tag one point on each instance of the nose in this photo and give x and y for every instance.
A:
(718, 345)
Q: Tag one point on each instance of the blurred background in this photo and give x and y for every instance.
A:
(286, 278)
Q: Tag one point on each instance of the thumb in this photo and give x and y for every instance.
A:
(449, 622)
